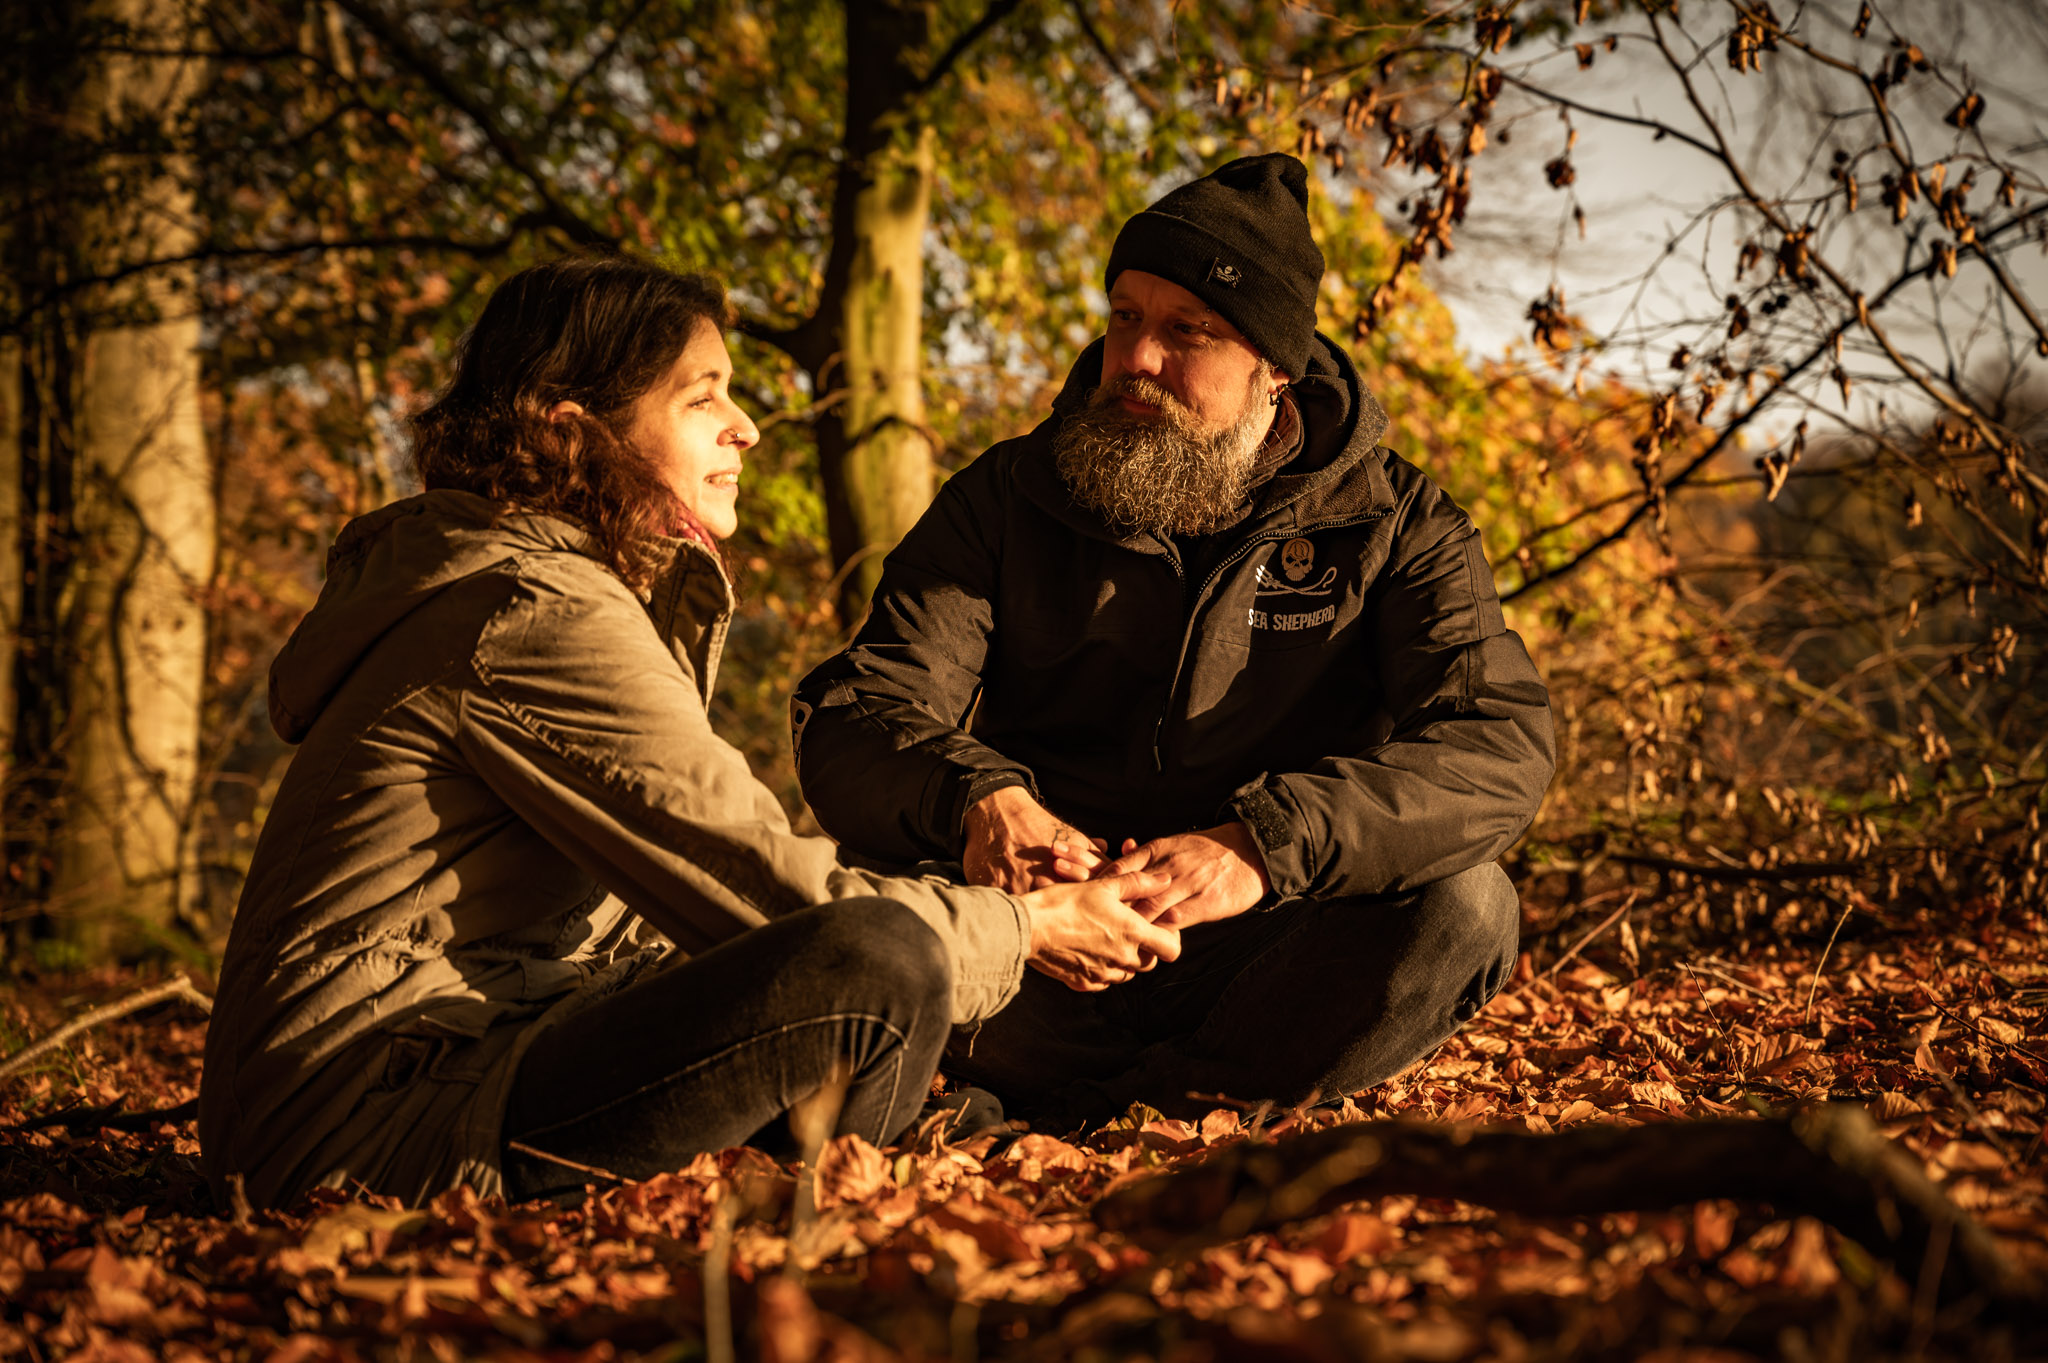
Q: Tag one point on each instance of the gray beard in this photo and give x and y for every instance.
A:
(1165, 474)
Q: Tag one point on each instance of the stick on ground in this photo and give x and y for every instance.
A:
(1830, 1162)
(177, 987)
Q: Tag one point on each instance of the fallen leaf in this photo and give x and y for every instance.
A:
(850, 1170)
(1353, 1235)
(356, 1226)
(1713, 1227)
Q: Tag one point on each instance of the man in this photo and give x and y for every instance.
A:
(1200, 612)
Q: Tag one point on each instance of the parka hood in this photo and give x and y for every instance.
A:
(382, 568)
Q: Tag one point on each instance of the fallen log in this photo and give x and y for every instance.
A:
(1830, 1163)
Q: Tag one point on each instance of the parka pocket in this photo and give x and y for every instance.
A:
(407, 1060)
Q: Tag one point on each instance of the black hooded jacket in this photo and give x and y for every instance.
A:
(1337, 673)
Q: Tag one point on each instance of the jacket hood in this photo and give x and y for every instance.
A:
(1341, 428)
(382, 568)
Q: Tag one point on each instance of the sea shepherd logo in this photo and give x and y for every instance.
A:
(1298, 580)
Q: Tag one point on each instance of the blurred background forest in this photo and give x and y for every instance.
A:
(1761, 472)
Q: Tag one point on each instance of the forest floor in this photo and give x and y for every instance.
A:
(111, 1248)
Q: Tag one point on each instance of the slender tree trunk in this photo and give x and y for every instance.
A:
(376, 472)
(873, 450)
(11, 584)
(37, 158)
(135, 621)
(886, 466)
(10, 537)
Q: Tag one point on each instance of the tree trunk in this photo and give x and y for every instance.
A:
(885, 469)
(41, 241)
(873, 451)
(346, 271)
(135, 623)
(10, 537)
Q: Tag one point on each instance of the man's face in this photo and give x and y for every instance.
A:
(1168, 439)
(1160, 334)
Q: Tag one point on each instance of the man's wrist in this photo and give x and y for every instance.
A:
(1245, 844)
(984, 785)
(1272, 832)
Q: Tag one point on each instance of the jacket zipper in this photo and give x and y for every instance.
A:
(1228, 561)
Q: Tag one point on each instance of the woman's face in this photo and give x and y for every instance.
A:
(690, 426)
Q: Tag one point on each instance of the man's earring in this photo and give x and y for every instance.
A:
(1274, 397)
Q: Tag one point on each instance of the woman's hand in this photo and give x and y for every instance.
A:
(1088, 937)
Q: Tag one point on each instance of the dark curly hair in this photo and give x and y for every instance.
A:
(595, 330)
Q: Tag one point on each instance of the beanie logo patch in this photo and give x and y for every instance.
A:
(1224, 274)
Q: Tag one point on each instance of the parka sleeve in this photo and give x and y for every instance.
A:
(1471, 749)
(882, 750)
(595, 735)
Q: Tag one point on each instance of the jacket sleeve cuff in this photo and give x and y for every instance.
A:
(1272, 827)
(978, 786)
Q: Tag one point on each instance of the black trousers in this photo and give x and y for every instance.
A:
(713, 1051)
(1316, 997)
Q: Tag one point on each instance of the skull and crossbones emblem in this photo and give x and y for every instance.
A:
(1297, 556)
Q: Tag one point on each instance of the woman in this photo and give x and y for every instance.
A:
(456, 958)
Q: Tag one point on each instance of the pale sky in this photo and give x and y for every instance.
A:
(1639, 193)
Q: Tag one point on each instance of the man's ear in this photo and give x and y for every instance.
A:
(564, 408)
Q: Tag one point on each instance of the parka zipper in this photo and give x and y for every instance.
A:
(1228, 561)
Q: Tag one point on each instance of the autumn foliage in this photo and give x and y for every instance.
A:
(111, 1248)
(1780, 549)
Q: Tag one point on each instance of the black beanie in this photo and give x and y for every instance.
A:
(1238, 239)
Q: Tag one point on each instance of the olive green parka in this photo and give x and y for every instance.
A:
(508, 802)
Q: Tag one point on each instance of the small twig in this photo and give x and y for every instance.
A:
(1927, 1290)
(1609, 921)
(113, 1117)
(1976, 1117)
(1713, 1015)
(1222, 1100)
(1711, 967)
(595, 1171)
(1961, 1021)
(1821, 964)
(178, 987)
(812, 1120)
(238, 1198)
(718, 1279)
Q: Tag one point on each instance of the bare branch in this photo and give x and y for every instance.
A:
(177, 987)
(997, 11)
(1096, 40)
(391, 33)
(397, 241)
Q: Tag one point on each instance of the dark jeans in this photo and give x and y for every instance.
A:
(712, 1052)
(1316, 997)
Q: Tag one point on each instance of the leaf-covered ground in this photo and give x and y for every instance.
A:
(110, 1247)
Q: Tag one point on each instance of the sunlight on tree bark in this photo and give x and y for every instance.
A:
(888, 463)
(10, 529)
(145, 523)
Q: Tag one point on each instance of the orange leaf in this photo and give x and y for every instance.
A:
(1713, 1227)
(1049, 1151)
(1353, 1235)
(850, 1170)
